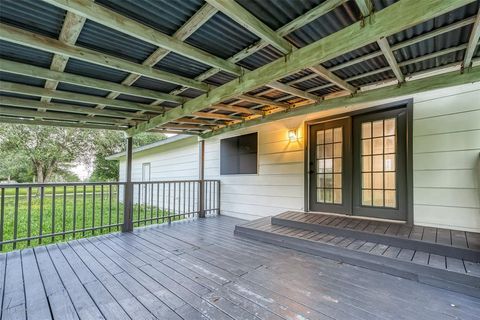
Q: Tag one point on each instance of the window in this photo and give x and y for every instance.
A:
(146, 171)
(238, 155)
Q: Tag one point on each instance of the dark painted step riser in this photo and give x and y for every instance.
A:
(435, 248)
(435, 277)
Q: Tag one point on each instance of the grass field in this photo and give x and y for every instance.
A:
(67, 211)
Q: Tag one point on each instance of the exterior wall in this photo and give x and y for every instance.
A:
(446, 153)
(174, 161)
(446, 145)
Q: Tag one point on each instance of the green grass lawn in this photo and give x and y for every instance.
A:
(71, 212)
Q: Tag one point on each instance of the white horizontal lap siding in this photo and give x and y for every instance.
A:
(446, 157)
(278, 186)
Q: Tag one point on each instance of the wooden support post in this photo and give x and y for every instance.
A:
(201, 177)
(128, 193)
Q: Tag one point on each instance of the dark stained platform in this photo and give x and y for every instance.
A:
(198, 269)
(438, 268)
(451, 243)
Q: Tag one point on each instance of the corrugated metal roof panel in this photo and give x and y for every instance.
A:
(260, 58)
(74, 103)
(329, 23)
(126, 97)
(16, 95)
(220, 78)
(191, 93)
(79, 89)
(183, 66)
(153, 84)
(19, 53)
(33, 15)
(95, 71)
(222, 36)
(276, 14)
(325, 91)
(100, 38)
(386, 75)
(164, 15)
(17, 78)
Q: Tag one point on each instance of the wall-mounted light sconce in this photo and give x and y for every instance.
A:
(292, 135)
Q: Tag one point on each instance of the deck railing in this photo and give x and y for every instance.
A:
(34, 214)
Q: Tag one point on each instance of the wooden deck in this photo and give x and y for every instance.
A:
(199, 270)
(453, 238)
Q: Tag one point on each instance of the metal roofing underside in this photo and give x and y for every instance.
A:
(222, 37)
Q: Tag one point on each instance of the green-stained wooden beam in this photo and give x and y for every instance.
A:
(247, 20)
(32, 40)
(264, 101)
(59, 116)
(395, 18)
(391, 92)
(392, 62)
(250, 22)
(37, 122)
(365, 7)
(43, 73)
(187, 29)
(116, 21)
(71, 28)
(472, 42)
(237, 109)
(62, 107)
(75, 97)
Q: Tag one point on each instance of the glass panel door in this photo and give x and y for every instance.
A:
(328, 167)
(379, 164)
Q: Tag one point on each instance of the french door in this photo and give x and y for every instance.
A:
(358, 165)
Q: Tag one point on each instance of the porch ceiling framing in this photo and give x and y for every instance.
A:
(386, 22)
(393, 19)
(472, 42)
(71, 28)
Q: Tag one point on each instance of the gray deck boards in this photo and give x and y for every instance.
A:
(199, 270)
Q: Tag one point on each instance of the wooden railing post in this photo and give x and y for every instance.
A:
(128, 192)
(201, 173)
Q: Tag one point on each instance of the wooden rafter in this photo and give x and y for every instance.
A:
(27, 103)
(472, 42)
(237, 109)
(56, 76)
(250, 22)
(75, 97)
(366, 8)
(388, 21)
(33, 40)
(392, 62)
(24, 121)
(72, 26)
(111, 19)
(186, 30)
(391, 92)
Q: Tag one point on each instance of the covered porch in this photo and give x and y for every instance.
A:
(198, 269)
(344, 135)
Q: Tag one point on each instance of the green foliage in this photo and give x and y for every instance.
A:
(47, 150)
(108, 143)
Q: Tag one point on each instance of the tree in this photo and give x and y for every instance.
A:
(110, 142)
(47, 149)
(15, 167)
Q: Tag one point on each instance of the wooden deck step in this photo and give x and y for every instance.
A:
(441, 271)
(445, 242)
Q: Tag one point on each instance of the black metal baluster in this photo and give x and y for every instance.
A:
(41, 215)
(93, 210)
(146, 205)
(158, 199)
(118, 207)
(163, 204)
(151, 203)
(139, 203)
(110, 208)
(2, 216)
(84, 202)
(169, 216)
(74, 211)
(29, 215)
(64, 211)
(101, 209)
(15, 220)
(53, 213)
